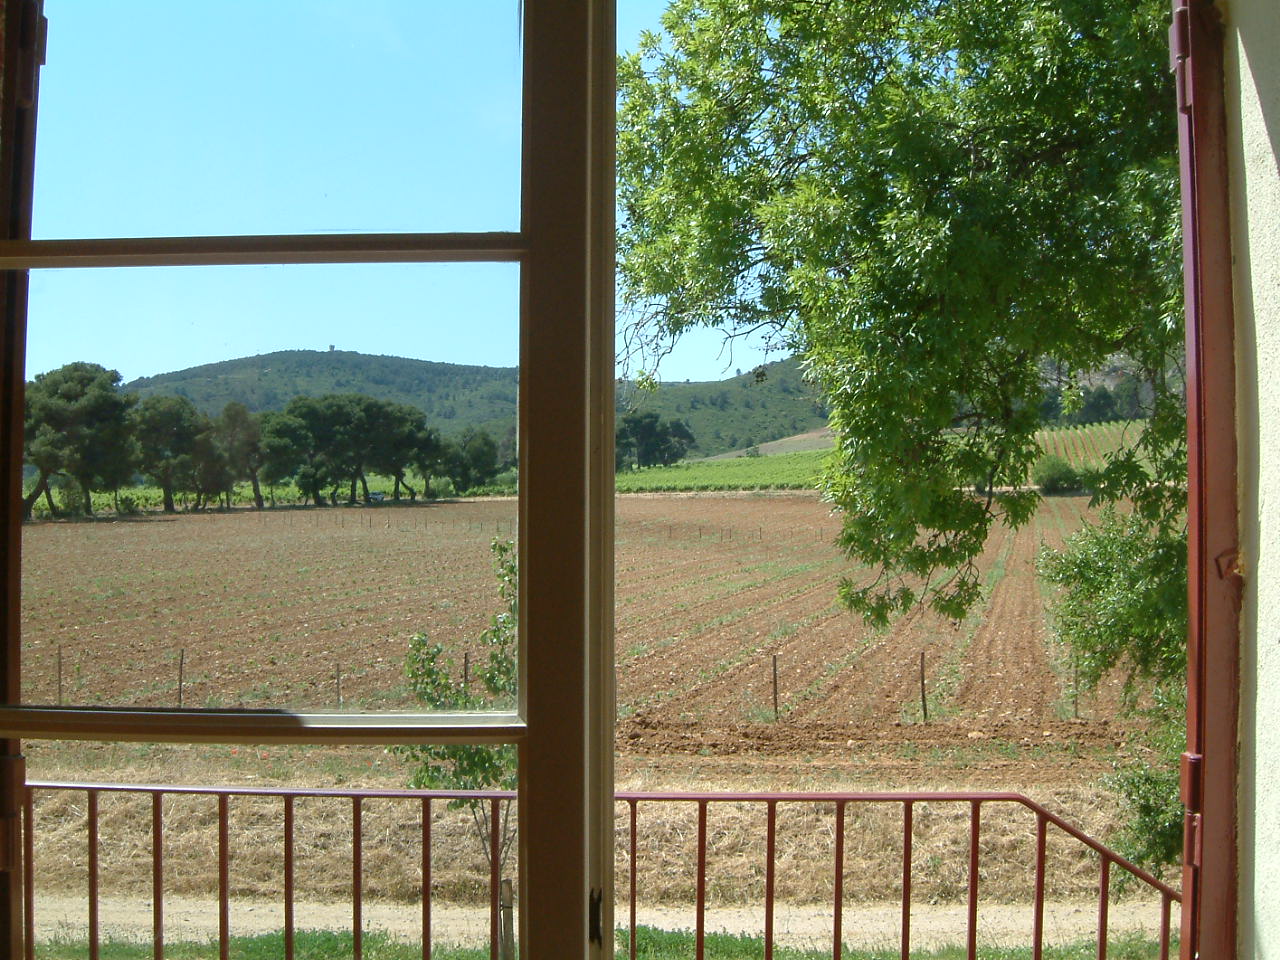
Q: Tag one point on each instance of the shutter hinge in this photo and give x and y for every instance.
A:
(1189, 778)
(595, 903)
(1179, 51)
(1190, 775)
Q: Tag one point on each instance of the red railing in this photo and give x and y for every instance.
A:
(975, 801)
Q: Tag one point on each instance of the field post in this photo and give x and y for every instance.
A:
(924, 700)
(182, 664)
(775, 687)
(59, 674)
(466, 674)
(337, 682)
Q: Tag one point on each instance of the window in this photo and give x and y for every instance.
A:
(563, 726)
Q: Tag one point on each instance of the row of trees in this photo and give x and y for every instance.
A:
(81, 427)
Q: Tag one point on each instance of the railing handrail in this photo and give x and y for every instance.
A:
(973, 799)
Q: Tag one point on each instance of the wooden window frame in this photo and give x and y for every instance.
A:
(563, 725)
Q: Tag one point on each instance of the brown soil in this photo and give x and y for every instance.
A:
(267, 609)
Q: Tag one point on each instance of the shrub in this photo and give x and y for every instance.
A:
(1054, 475)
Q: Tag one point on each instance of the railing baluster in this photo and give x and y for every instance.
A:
(357, 877)
(92, 816)
(494, 802)
(288, 877)
(633, 804)
(1104, 899)
(837, 934)
(907, 811)
(224, 907)
(1164, 927)
(975, 820)
(495, 849)
(1037, 946)
(157, 875)
(28, 873)
(701, 916)
(770, 853)
(426, 878)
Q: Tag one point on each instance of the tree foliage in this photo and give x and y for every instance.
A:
(931, 201)
(646, 440)
(438, 684)
(76, 425)
(938, 203)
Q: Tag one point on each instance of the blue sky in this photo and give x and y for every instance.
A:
(236, 116)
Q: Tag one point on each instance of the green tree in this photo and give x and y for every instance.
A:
(646, 440)
(77, 425)
(285, 442)
(240, 433)
(933, 203)
(166, 428)
(437, 684)
(930, 202)
(470, 460)
(401, 439)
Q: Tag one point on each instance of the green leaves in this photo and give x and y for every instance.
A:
(438, 684)
(936, 203)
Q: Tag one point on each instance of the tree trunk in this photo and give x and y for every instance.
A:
(352, 498)
(87, 492)
(48, 499)
(395, 490)
(257, 491)
(29, 501)
(402, 482)
(364, 486)
(166, 490)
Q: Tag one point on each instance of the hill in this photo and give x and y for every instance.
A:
(453, 396)
(723, 415)
(765, 404)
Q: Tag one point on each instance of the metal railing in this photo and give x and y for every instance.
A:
(424, 800)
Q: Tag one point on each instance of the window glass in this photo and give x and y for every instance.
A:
(216, 118)
(382, 447)
(287, 811)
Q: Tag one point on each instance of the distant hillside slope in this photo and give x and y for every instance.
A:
(742, 411)
(452, 396)
(723, 415)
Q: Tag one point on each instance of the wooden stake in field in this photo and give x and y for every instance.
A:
(466, 674)
(337, 682)
(924, 700)
(775, 687)
(182, 664)
(59, 674)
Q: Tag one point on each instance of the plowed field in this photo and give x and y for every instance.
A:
(302, 608)
(286, 607)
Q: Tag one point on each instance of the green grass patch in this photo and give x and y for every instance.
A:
(651, 944)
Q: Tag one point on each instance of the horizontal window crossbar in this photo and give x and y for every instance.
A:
(269, 249)
(256, 726)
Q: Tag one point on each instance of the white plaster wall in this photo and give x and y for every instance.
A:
(1253, 136)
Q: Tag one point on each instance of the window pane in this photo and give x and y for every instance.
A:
(254, 782)
(365, 550)
(207, 118)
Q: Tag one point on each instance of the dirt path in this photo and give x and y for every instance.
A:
(865, 925)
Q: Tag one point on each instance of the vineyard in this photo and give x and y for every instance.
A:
(1086, 447)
